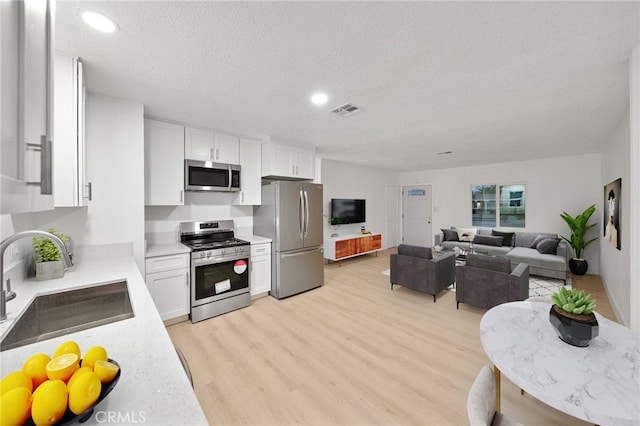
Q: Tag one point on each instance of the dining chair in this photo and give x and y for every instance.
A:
(481, 402)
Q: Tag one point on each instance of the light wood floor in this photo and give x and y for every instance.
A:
(350, 353)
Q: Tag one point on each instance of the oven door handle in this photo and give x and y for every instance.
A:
(213, 260)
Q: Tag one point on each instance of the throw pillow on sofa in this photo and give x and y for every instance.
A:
(539, 238)
(507, 237)
(466, 234)
(488, 240)
(449, 235)
(548, 245)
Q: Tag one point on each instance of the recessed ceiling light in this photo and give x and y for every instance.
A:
(319, 98)
(99, 22)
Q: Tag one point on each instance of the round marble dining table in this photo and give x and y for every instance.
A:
(599, 383)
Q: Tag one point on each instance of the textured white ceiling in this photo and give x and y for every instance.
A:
(492, 82)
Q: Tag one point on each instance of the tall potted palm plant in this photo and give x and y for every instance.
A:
(579, 228)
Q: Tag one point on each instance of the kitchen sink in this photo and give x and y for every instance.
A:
(57, 314)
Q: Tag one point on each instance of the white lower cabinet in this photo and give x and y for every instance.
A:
(167, 278)
(260, 268)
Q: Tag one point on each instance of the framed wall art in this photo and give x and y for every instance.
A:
(612, 200)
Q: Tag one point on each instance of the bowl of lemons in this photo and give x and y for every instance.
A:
(60, 389)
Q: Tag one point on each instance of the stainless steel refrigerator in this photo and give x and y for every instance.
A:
(291, 215)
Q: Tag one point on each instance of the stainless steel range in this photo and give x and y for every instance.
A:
(219, 268)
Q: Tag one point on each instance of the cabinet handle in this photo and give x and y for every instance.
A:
(211, 154)
(89, 191)
(46, 162)
(181, 194)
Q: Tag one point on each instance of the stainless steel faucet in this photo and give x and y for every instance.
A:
(4, 296)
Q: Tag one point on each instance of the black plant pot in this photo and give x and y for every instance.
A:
(576, 330)
(578, 266)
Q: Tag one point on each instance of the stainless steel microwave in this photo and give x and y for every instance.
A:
(210, 176)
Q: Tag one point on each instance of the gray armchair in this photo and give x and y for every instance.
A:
(414, 267)
(487, 281)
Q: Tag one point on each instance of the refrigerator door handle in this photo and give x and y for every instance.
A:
(300, 253)
(306, 214)
(301, 214)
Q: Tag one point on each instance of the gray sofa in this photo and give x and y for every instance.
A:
(487, 281)
(524, 247)
(414, 267)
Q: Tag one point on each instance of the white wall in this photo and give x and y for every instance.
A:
(614, 263)
(162, 222)
(345, 180)
(115, 167)
(554, 185)
(634, 195)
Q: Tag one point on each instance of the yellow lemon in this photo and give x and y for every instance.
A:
(93, 354)
(62, 367)
(15, 406)
(84, 392)
(68, 347)
(79, 372)
(105, 370)
(17, 379)
(49, 402)
(36, 368)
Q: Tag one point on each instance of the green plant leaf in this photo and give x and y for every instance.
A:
(579, 227)
(45, 250)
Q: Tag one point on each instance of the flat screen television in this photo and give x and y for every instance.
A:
(347, 210)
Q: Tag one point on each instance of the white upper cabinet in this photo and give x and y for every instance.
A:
(27, 105)
(70, 185)
(163, 163)
(226, 149)
(281, 160)
(206, 145)
(250, 173)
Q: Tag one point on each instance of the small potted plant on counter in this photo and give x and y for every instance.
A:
(49, 264)
(579, 229)
(572, 316)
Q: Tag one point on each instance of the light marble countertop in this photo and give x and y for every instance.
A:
(155, 250)
(599, 383)
(153, 387)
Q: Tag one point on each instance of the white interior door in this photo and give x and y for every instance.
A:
(416, 215)
(392, 216)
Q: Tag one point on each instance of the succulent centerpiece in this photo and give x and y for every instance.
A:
(49, 264)
(572, 316)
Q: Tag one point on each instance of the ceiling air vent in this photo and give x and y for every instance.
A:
(346, 110)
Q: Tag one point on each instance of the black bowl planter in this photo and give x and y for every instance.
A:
(576, 330)
(578, 266)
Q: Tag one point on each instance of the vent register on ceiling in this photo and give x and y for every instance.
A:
(346, 110)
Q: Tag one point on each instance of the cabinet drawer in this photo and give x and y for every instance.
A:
(258, 249)
(166, 263)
